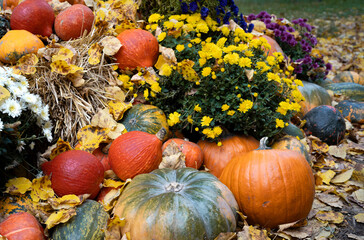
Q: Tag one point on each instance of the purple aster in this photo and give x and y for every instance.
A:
(193, 6)
(250, 28)
(307, 60)
(251, 17)
(204, 12)
(184, 7)
(277, 33)
(298, 69)
(267, 20)
(315, 65)
(290, 29)
(223, 3)
(328, 66)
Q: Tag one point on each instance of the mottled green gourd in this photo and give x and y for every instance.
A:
(89, 223)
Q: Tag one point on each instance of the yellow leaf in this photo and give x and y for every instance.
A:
(63, 68)
(113, 227)
(113, 183)
(62, 146)
(41, 189)
(359, 195)
(326, 176)
(76, 79)
(65, 202)
(185, 67)
(111, 45)
(103, 119)
(167, 56)
(124, 25)
(60, 216)
(64, 54)
(94, 53)
(4, 94)
(343, 177)
(359, 217)
(27, 63)
(330, 216)
(110, 199)
(117, 109)
(319, 146)
(18, 185)
(120, 129)
(90, 137)
(116, 93)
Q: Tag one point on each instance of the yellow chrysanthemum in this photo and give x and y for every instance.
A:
(279, 123)
(206, 120)
(245, 105)
(180, 47)
(197, 108)
(225, 107)
(162, 36)
(173, 118)
(206, 71)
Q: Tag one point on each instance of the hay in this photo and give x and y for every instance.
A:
(70, 107)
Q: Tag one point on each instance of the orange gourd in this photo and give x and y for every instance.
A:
(217, 157)
(193, 153)
(271, 186)
(136, 152)
(21, 225)
(274, 45)
(72, 22)
(75, 172)
(9, 4)
(16, 43)
(35, 16)
(139, 49)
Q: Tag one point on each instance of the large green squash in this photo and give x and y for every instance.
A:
(293, 130)
(314, 95)
(145, 118)
(176, 204)
(292, 143)
(352, 110)
(352, 90)
(10, 204)
(89, 223)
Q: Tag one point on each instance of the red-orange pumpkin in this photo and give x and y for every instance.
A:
(139, 49)
(103, 157)
(136, 152)
(75, 172)
(9, 4)
(72, 22)
(272, 187)
(35, 16)
(21, 225)
(193, 153)
(217, 157)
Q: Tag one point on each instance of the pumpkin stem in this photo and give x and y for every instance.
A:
(161, 133)
(174, 187)
(263, 144)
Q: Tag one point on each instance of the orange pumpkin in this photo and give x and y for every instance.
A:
(35, 16)
(72, 22)
(217, 157)
(193, 153)
(271, 186)
(136, 152)
(9, 4)
(17, 43)
(21, 225)
(139, 49)
(274, 45)
(103, 157)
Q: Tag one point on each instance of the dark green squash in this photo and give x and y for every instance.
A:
(352, 90)
(178, 204)
(293, 130)
(292, 143)
(314, 95)
(352, 110)
(326, 123)
(89, 223)
(10, 204)
(145, 118)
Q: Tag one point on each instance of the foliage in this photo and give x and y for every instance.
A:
(221, 78)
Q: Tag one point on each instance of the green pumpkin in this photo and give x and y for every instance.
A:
(352, 110)
(145, 118)
(293, 130)
(10, 204)
(89, 223)
(292, 143)
(176, 204)
(354, 91)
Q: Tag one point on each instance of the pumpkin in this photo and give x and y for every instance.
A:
(75, 172)
(349, 76)
(10, 204)
(72, 2)
(136, 152)
(271, 186)
(35, 16)
(217, 157)
(139, 48)
(176, 204)
(326, 123)
(103, 157)
(16, 43)
(9, 4)
(193, 153)
(352, 110)
(314, 95)
(354, 91)
(90, 222)
(292, 143)
(274, 45)
(73, 22)
(145, 118)
(293, 130)
(21, 225)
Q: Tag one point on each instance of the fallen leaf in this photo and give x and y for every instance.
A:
(94, 53)
(62, 146)
(63, 68)
(173, 157)
(249, 74)
(114, 226)
(251, 233)
(326, 176)
(65, 202)
(64, 54)
(4, 94)
(117, 109)
(90, 137)
(338, 151)
(18, 185)
(343, 177)
(358, 195)
(117, 131)
(112, 183)
(103, 119)
(319, 146)
(356, 237)
(226, 236)
(27, 63)
(330, 216)
(60, 216)
(41, 189)
(359, 217)
(116, 93)
(111, 45)
(329, 199)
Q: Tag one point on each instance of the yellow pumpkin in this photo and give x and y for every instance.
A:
(17, 43)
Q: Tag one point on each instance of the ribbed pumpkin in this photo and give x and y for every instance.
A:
(75, 172)
(176, 204)
(145, 118)
(21, 225)
(326, 123)
(274, 45)
(352, 110)
(292, 143)
(354, 91)
(139, 49)
(349, 76)
(89, 223)
(136, 152)
(35, 16)
(193, 153)
(16, 43)
(271, 186)
(217, 157)
(314, 95)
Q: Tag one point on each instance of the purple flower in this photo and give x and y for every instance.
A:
(267, 20)
(328, 66)
(193, 6)
(290, 29)
(298, 69)
(282, 28)
(226, 18)
(262, 14)
(315, 65)
(292, 42)
(223, 3)
(184, 7)
(251, 17)
(204, 12)
(235, 9)
(250, 28)
(313, 40)
(309, 28)
(289, 37)
(277, 33)
(295, 21)
(307, 60)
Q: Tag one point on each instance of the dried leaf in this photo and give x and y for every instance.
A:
(259, 25)
(63, 54)
(359, 217)
(90, 137)
(186, 68)
(18, 185)
(329, 199)
(173, 157)
(103, 119)
(167, 56)
(4, 94)
(63, 68)
(343, 177)
(94, 53)
(62, 146)
(116, 93)
(60, 216)
(359, 195)
(111, 45)
(330, 216)
(27, 63)
(319, 146)
(114, 226)
(338, 151)
(226, 236)
(41, 189)
(249, 74)
(112, 183)
(251, 233)
(65, 202)
(76, 79)
(356, 237)
(117, 109)
(116, 132)
(326, 176)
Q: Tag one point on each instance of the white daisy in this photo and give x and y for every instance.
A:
(1, 125)
(17, 89)
(12, 107)
(29, 98)
(3, 80)
(44, 113)
(48, 133)
(36, 108)
(24, 81)
(48, 125)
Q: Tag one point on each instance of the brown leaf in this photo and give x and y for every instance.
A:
(27, 63)
(90, 137)
(117, 109)
(338, 151)
(94, 53)
(173, 157)
(103, 119)
(251, 233)
(330, 216)
(62, 146)
(329, 199)
(111, 45)
(226, 236)
(343, 177)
